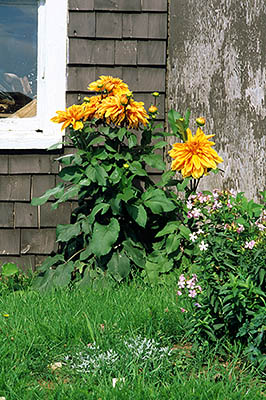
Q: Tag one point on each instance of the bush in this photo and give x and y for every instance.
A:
(230, 231)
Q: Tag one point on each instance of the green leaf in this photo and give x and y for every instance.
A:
(49, 262)
(70, 174)
(69, 194)
(55, 146)
(138, 214)
(158, 202)
(132, 140)
(170, 227)
(103, 207)
(126, 195)
(181, 186)
(187, 116)
(100, 175)
(184, 231)
(166, 177)
(119, 266)
(121, 133)
(97, 140)
(160, 145)
(62, 275)
(154, 161)
(136, 168)
(103, 237)
(57, 191)
(172, 243)
(172, 117)
(66, 232)
(137, 255)
(9, 269)
(115, 176)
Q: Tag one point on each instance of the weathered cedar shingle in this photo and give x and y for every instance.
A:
(135, 26)
(25, 215)
(38, 241)
(83, 51)
(154, 5)
(16, 187)
(9, 241)
(126, 52)
(30, 163)
(3, 164)
(151, 52)
(81, 4)
(108, 25)
(51, 218)
(41, 183)
(25, 263)
(157, 26)
(117, 5)
(145, 79)
(81, 24)
(6, 215)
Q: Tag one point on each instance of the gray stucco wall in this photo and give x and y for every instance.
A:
(217, 68)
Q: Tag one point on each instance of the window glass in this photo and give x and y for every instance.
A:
(18, 58)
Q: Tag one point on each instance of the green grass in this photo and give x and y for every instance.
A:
(43, 329)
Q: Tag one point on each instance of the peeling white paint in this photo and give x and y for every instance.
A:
(217, 71)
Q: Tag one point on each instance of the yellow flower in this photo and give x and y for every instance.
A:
(114, 110)
(195, 156)
(153, 109)
(125, 165)
(6, 315)
(109, 84)
(156, 94)
(72, 116)
(201, 121)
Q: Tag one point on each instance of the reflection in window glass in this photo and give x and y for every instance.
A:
(18, 58)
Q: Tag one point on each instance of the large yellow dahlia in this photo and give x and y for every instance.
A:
(108, 84)
(117, 109)
(72, 116)
(194, 156)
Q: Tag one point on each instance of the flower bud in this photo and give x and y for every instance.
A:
(153, 109)
(200, 121)
(156, 94)
(125, 165)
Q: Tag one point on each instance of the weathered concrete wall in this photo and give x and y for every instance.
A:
(217, 68)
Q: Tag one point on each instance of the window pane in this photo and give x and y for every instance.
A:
(18, 60)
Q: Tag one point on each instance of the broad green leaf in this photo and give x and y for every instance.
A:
(136, 168)
(181, 186)
(119, 266)
(166, 177)
(160, 145)
(121, 133)
(69, 194)
(132, 140)
(184, 231)
(100, 175)
(103, 237)
(126, 195)
(115, 176)
(172, 117)
(103, 207)
(154, 161)
(45, 282)
(56, 191)
(187, 116)
(66, 232)
(62, 275)
(170, 227)
(90, 173)
(49, 262)
(172, 243)
(9, 269)
(138, 214)
(96, 140)
(135, 254)
(158, 202)
(70, 174)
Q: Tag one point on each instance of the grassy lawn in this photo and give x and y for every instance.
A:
(71, 345)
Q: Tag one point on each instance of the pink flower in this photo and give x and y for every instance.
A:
(197, 305)
(191, 284)
(240, 228)
(250, 245)
(183, 310)
(179, 293)
(199, 288)
(192, 293)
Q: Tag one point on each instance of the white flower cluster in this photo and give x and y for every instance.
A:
(94, 360)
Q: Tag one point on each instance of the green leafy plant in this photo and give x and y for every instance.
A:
(230, 232)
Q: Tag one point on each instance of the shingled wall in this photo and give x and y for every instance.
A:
(122, 38)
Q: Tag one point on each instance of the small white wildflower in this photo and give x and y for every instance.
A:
(193, 237)
(203, 246)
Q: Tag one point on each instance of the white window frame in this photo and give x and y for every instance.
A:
(39, 132)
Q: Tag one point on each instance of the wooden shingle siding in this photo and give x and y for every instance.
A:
(121, 38)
